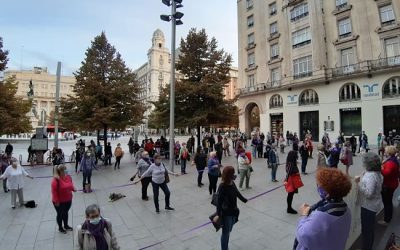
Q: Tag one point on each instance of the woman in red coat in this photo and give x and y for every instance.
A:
(61, 192)
(390, 172)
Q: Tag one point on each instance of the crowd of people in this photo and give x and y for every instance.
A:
(326, 217)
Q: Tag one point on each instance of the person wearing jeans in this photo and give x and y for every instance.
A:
(157, 171)
(144, 164)
(369, 197)
(244, 170)
(227, 210)
(61, 192)
(183, 157)
(86, 167)
(390, 172)
(213, 172)
(304, 157)
(15, 181)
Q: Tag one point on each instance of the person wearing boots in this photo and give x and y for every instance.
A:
(293, 180)
(87, 165)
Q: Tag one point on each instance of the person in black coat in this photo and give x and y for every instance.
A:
(200, 161)
(227, 210)
(9, 149)
(304, 158)
(108, 153)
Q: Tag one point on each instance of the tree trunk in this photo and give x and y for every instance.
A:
(105, 135)
(198, 136)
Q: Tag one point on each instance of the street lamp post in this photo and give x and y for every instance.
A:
(175, 19)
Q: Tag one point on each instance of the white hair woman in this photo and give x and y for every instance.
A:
(15, 181)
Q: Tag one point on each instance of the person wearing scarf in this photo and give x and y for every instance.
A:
(96, 232)
(330, 216)
(142, 166)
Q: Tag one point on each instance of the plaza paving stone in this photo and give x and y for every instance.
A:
(263, 222)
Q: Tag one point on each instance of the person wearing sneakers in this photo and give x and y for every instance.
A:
(119, 153)
(273, 162)
(61, 193)
(183, 157)
(158, 173)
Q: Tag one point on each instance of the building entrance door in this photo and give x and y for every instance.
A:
(309, 121)
(391, 119)
(277, 124)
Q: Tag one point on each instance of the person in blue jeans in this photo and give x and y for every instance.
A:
(273, 162)
(227, 210)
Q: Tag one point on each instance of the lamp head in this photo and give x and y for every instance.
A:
(165, 18)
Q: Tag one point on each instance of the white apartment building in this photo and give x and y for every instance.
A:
(319, 65)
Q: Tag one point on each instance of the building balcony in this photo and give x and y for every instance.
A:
(346, 70)
(364, 68)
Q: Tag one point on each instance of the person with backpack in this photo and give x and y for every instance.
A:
(273, 162)
(227, 210)
(61, 193)
(304, 157)
(59, 157)
(119, 153)
(183, 157)
(200, 161)
(213, 172)
(159, 179)
(96, 232)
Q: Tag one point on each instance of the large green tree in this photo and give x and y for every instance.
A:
(199, 94)
(13, 109)
(105, 93)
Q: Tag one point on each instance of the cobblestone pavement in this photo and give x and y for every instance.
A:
(264, 223)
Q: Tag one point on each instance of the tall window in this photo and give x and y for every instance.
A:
(251, 59)
(249, 4)
(250, 39)
(275, 76)
(392, 49)
(341, 3)
(344, 28)
(250, 21)
(347, 57)
(251, 80)
(274, 51)
(299, 12)
(302, 67)
(391, 88)
(272, 9)
(273, 28)
(301, 37)
(276, 101)
(387, 14)
(349, 92)
(308, 97)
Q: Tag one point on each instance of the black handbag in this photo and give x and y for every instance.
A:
(214, 199)
(218, 224)
(166, 174)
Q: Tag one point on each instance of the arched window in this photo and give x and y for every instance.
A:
(308, 97)
(349, 92)
(391, 88)
(276, 101)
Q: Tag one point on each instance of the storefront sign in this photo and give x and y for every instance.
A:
(350, 109)
(371, 90)
(292, 99)
(276, 114)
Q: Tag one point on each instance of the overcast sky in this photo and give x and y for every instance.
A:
(42, 32)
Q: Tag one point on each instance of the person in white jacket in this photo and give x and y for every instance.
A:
(369, 196)
(15, 181)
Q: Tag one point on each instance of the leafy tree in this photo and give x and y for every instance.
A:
(105, 93)
(199, 95)
(13, 109)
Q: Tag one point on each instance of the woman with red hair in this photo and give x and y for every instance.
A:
(330, 216)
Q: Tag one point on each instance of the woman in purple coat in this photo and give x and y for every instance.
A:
(330, 216)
